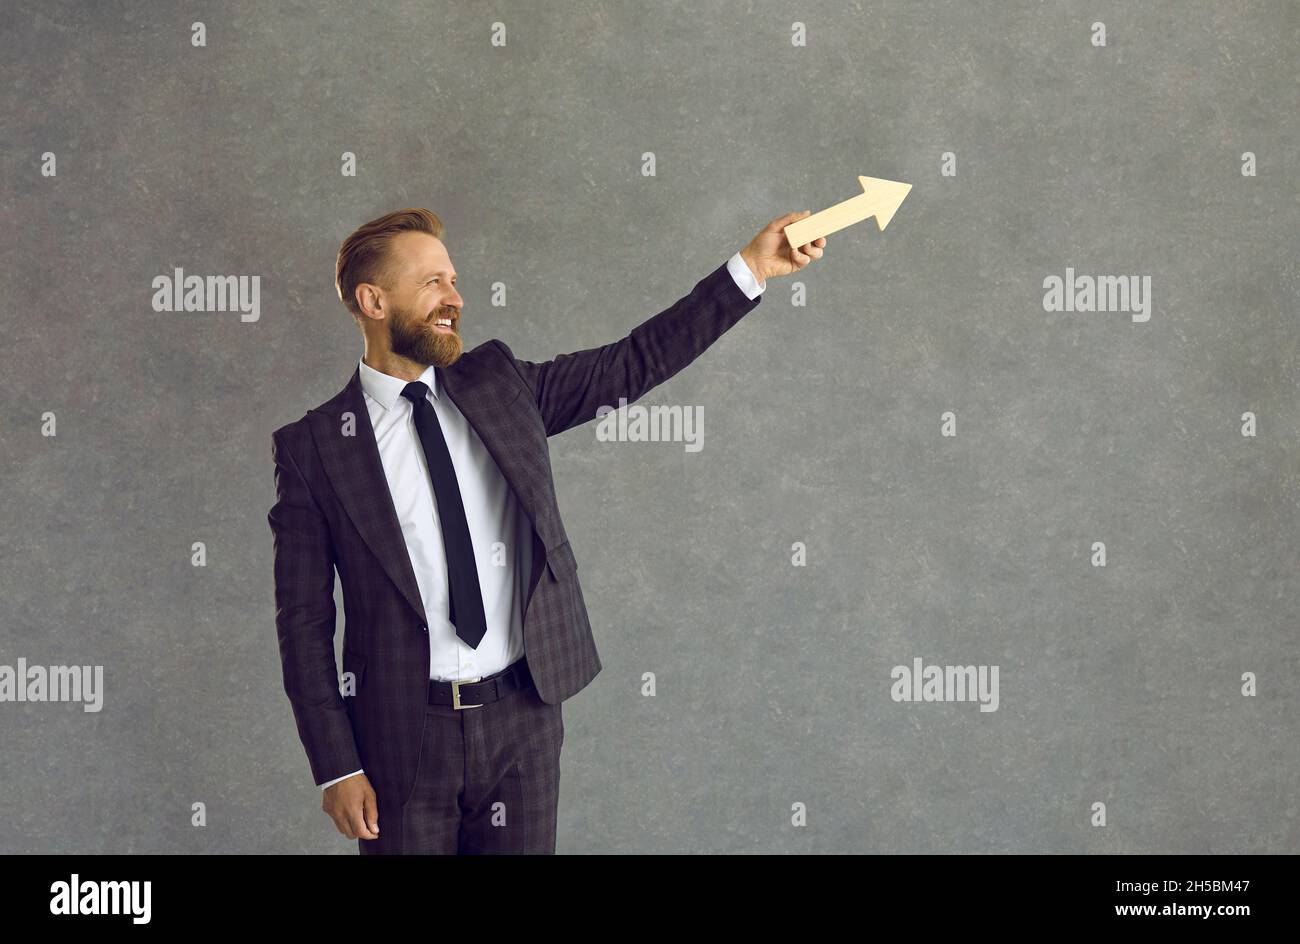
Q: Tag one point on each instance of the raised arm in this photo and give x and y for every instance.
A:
(570, 387)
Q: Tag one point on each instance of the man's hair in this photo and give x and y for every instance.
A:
(363, 256)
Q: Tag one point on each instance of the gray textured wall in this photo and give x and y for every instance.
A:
(1119, 684)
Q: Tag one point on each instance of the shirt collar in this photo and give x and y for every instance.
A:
(386, 389)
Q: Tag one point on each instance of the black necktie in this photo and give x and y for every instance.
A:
(466, 609)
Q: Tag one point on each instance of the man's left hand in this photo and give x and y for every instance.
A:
(769, 255)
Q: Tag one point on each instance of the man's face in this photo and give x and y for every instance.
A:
(423, 293)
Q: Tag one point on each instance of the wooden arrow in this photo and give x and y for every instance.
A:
(879, 198)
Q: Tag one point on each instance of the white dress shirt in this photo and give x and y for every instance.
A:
(498, 528)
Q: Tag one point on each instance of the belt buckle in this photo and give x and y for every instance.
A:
(455, 692)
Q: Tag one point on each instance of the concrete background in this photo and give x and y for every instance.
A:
(1119, 684)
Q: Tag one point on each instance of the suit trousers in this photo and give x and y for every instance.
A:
(488, 781)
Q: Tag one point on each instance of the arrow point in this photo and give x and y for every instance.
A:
(890, 195)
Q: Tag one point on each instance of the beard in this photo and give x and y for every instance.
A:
(415, 338)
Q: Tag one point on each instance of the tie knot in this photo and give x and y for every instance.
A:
(415, 391)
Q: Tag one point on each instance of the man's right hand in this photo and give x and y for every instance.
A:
(351, 803)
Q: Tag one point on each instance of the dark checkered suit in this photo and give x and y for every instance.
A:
(333, 511)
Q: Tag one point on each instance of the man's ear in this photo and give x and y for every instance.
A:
(370, 301)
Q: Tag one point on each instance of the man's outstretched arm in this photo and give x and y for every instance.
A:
(571, 387)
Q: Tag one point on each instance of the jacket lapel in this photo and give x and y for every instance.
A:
(490, 412)
(355, 470)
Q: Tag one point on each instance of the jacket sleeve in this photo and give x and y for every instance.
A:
(305, 617)
(571, 387)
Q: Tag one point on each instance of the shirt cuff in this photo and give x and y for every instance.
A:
(744, 278)
(344, 777)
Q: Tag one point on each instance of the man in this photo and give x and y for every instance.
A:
(426, 483)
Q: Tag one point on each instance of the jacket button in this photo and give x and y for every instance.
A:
(423, 628)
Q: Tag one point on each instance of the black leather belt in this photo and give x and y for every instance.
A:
(475, 693)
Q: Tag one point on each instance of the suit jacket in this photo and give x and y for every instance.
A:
(333, 511)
